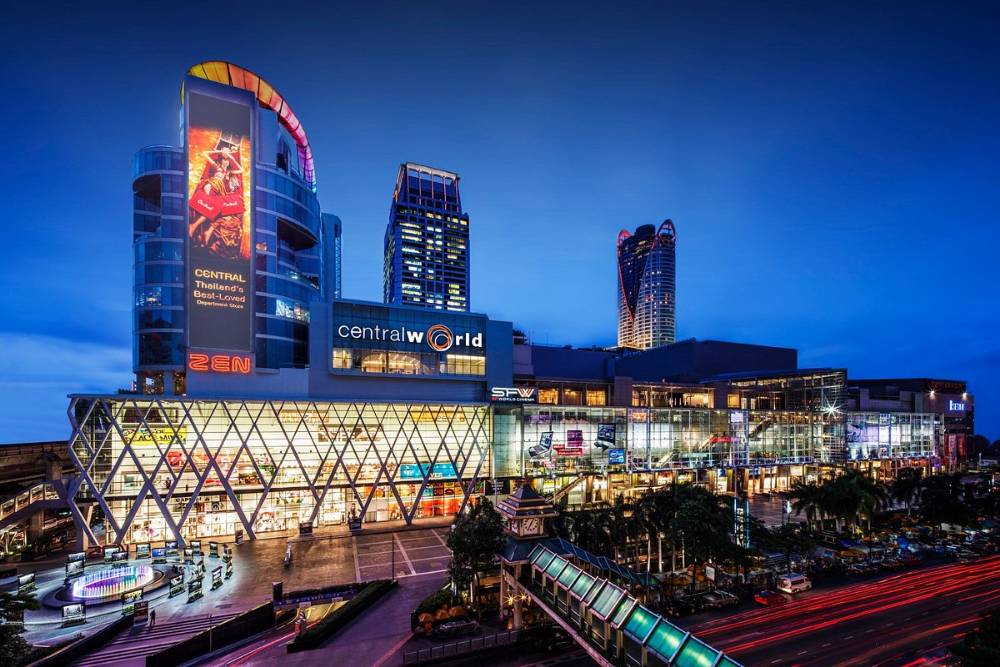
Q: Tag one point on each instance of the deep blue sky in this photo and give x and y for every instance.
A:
(832, 168)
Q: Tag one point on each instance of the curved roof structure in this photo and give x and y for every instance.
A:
(229, 74)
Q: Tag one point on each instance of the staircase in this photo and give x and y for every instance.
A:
(132, 646)
(566, 488)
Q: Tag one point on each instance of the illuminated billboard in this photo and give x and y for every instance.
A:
(220, 229)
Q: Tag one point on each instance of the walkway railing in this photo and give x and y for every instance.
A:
(463, 647)
(37, 493)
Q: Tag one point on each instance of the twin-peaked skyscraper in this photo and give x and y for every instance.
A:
(647, 286)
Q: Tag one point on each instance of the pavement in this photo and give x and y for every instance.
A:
(320, 560)
(881, 621)
(375, 638)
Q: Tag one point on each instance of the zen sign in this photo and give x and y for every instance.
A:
(514, 395)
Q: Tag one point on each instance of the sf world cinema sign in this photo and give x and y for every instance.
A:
(437, 337)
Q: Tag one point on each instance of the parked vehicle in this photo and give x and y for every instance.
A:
(967, 555)
(719, 599)
(793, 583)
(678, 607)
(770, 598)
(456, 628)
(892, 564)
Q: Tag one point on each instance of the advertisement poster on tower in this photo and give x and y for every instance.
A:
(220, 231)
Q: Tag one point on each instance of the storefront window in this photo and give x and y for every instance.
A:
(548, 395)
(596, 397)
(463, 364)
(572, 397)
(373, 362)
(404, 362)
(341, 358)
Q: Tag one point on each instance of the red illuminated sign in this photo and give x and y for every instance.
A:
(219, 363)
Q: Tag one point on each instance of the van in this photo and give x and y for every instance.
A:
(793, 583)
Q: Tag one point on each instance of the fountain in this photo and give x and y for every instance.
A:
(111, 582)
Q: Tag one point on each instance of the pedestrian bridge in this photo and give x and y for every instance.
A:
(611, 625)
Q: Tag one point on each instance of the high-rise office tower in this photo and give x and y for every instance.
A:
(331, 235)
(647, 286)
(427, 241)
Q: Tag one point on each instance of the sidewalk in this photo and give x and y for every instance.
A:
(375, 638)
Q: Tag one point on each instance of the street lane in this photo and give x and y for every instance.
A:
(887, 621)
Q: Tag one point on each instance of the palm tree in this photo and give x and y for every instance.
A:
(808, 499)
(907, 486)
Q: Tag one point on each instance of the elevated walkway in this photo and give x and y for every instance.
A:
(49, 495)
(612, 626)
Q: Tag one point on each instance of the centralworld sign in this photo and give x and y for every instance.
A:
(437, 337)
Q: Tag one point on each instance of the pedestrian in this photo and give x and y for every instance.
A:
(152, 618)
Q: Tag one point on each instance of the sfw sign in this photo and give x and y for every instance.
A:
(514, 395)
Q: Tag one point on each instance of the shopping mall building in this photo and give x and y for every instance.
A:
(264, 403)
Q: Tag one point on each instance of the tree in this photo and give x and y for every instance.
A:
(475, 541)
(787, 539)
(807, 499)
(981, 646)
(906, 487)
(946, 499)
(12, 607)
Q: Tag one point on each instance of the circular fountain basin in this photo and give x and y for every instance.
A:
(111, 582)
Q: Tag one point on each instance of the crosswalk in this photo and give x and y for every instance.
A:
(132, 646)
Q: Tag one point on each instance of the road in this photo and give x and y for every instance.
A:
(890, 621)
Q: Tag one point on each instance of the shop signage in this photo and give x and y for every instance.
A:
(417, 470)
(956, 406)
(201, 362)
(514, 395)
(437, 337)
(153, 436)
(616, 457)
(219, 147)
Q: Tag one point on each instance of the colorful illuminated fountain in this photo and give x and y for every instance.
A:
(112, 581)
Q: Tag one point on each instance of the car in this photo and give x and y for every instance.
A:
(678, 607)
(719, 599)
(457, 628)
(967, 556)
(860, 568)
(892, 563)
(793, 583)
(770, 598)
(909, 559)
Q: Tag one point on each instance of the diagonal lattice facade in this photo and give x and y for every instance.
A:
(164, 468)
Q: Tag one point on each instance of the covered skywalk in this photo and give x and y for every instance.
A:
(610, 624)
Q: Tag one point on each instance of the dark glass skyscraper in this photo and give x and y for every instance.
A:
(647, 286)
(290, 264)
(427, 241)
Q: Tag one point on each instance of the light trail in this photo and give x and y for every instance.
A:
(939, 593)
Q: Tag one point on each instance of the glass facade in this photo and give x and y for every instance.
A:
(292, 266)
(158, 233)
(537, 440)
(162, 469)
(426, 262)
(882, 435)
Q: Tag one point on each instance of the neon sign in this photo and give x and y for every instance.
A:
(219, 363)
